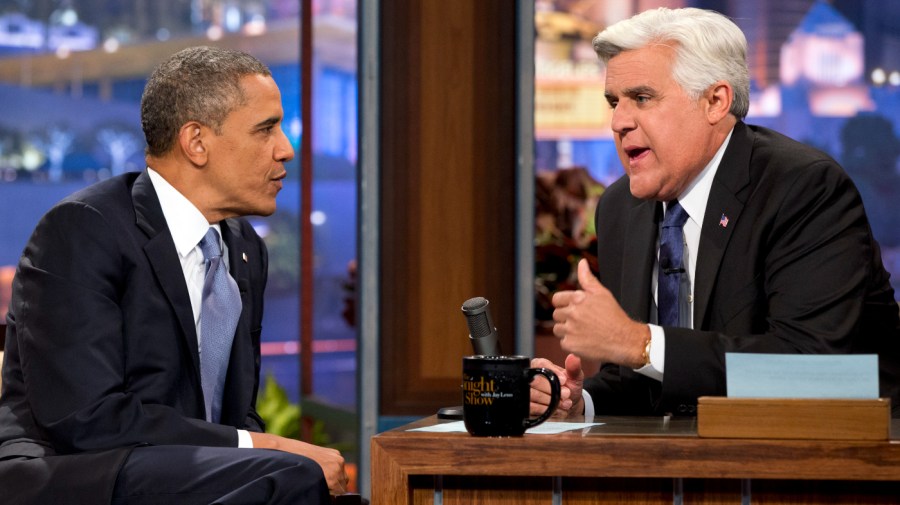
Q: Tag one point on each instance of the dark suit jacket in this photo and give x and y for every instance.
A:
(795, 270)
(101, 348)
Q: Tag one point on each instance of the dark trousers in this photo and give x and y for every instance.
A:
(188, 475)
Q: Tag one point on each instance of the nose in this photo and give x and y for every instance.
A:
(623, 118)
(284, 151)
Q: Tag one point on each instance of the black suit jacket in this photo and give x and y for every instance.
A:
(795, 270)
(101, 347)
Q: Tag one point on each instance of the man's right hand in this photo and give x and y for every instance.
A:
(330, 460)
(571, 380)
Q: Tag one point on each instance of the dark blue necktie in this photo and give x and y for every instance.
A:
(671, 265)
(219, 314)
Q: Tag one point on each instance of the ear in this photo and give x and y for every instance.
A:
(192, 140)
(718, 97)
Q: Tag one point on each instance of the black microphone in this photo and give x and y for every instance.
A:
(483, 336)
(482, 332)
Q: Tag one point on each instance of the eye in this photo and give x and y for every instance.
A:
(642, 99)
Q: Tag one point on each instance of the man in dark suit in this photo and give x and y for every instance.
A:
(771, 250)
(106, 396)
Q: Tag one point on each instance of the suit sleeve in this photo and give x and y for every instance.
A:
(72, 277)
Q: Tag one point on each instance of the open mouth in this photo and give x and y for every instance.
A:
(636, 152)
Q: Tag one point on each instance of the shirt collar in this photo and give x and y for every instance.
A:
(186, 223)
(694, 198)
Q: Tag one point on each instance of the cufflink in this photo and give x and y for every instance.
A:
(244, 257)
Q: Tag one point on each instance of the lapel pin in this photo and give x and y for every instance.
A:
(723, 221)
(244, 257)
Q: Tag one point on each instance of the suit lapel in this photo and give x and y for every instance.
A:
(640, 244)
(239, 366)
(237, 264)
(160, 251)
(723, 212)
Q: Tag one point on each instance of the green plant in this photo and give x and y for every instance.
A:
(282, 417)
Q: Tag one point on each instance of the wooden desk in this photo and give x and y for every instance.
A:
(629, 460)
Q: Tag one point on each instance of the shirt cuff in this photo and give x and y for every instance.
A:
(244, 440)
(588, 406)
(656, 367)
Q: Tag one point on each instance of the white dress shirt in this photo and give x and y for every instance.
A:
(188, 226)
(693, 199)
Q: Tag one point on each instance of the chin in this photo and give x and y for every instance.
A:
(260, 209)
(640, 192)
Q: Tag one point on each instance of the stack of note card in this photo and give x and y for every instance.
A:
(797, 397)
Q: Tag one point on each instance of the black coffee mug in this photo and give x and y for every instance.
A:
(497, 392)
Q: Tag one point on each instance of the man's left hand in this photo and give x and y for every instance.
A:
(590, 323)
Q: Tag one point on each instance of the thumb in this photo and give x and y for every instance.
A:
(586, 278)
(573, 368)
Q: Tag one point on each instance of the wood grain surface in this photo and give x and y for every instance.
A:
(629, 460)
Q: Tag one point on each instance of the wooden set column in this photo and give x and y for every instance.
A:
(448, 161)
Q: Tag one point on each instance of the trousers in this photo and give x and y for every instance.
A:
(188, 475)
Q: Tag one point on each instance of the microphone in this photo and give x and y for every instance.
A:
(483, 336)
(482, 332)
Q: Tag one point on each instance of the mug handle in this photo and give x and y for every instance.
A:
(554, 394)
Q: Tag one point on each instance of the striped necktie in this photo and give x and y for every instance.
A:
(671, 265)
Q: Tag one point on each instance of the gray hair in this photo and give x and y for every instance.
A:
(195, 84)
(708, 46)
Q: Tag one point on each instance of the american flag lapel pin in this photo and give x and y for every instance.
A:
(244, 257)
(723, 221)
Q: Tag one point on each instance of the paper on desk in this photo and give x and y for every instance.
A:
(801, 375)
(548, 428)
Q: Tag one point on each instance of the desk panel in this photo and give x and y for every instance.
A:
(629, 460)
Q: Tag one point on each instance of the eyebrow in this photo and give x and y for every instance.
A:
(633, 91)
(265, 123)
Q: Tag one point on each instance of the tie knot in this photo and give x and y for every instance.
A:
(675, 215)
(209, 244)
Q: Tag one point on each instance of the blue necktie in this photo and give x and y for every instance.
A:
(671, 265)
(219, 314)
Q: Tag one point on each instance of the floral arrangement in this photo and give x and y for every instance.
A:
(565, 200)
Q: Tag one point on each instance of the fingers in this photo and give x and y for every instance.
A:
(332, 464)
(570, 376)
(540, 390)
(536, 408)
(542, 383)
(330, 460)
(542, 363)
(540, 399)
(562, 299)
